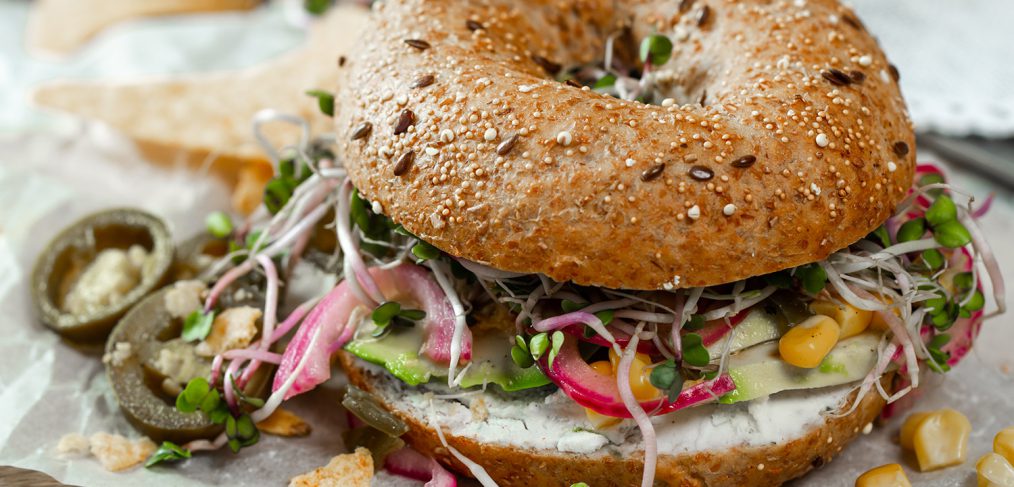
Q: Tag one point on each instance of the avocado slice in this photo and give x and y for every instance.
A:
(398, 352)
(759, 371)
(758, 327)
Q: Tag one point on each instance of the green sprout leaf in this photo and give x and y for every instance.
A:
(519, 341)
(941, 211)
(695, 323)
(325, 101)
(694, 352)
(963, 281)
(913, 229)
(933, 259)
(316, 7)
(219, 224)
(384, 313)
(606, 316)
(880, 236)
(277, 193)
(606, 81)
(952, 234)
(253, 401)
(425, 251)
(780, 279)
(521, 357)
(193, 395)
(197, 325)
(976, 303)
(412, 314)
(812, 277)
(938, 358)
(538, 345)
(557, 340)
(929, 179)
(656, 50)
(579, 484)
(167, 452)
(666, 377)
(569, 306)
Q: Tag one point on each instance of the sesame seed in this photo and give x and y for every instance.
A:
(447, 135)
(760, 466)
(489, 135)
(668, 102)
(729, 209)
(694, 212)
(822, 140)
(564, 138)
(377, 207)
(432, 151)
(865, 60)
(891, 166)
(630, 162)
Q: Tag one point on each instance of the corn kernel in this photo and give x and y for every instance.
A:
(877, 322)
(1004, 444)
(852, 320)
(890, 475)
(993, 470)
(806, 344)
(600, 421)
(907, 438)
(941, 440)
(602, 367)
(640, 376)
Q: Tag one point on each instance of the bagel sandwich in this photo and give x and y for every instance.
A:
(620, 243)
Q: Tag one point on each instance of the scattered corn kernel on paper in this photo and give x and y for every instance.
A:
(55, 173)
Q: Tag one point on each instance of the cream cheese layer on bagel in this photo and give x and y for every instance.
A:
(781, 137)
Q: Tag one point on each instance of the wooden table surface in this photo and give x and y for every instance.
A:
(18, 477)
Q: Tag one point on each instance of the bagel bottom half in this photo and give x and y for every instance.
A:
(511, 458)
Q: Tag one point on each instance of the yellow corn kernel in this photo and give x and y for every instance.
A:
(890, 475)
(993, 470)
(600, 421)
(941, 440)
(806, 344)
(912, 422)
(877, 322)
(1003, 444)
(640, 376)
(852, 320)
(603, 367)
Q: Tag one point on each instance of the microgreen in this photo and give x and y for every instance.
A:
(666, 377)
(812, 277)
(656, 50)
(521, 357)
(569, 306)
(425, 251)
(197, 325)
(976, 302)
(913, 229)
(280, 188)
(938, 358)
(316, 7)
(933, 259)
(607, 81)
(219, 224)
(696, 322)
(325, 101)
(538, 345)
(694, 352)
(606, 316)
(963, 281)
(941, 211)
(557, 342)
(242, 432)
(932, 178)
(952, 234)
(199, 395)
(253, 401)
(167, 452)
(391, 312)
(880, 236)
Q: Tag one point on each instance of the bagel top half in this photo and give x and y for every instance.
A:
(788, 138)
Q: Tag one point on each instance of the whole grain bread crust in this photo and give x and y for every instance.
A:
(745, 467)
(788, 114)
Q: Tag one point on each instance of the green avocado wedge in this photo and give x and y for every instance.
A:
(398, 352)
(759, 371)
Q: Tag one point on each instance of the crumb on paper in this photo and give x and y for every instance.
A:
(121, 352)
(348, 470)
(479, 410)
(234, 328)
(184, 298)
(283, 422)
(73, 445)
(117, 453)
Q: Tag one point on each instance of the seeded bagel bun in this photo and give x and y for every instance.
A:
(511, 461)
(786, 137)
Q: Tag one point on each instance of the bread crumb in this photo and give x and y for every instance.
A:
(117, 453)
(234, 328)
(184, 298)
(72, 445)
(479, 410)
(348, 470)
(283, 422)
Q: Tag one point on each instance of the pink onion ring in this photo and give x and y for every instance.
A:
(412, 464)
